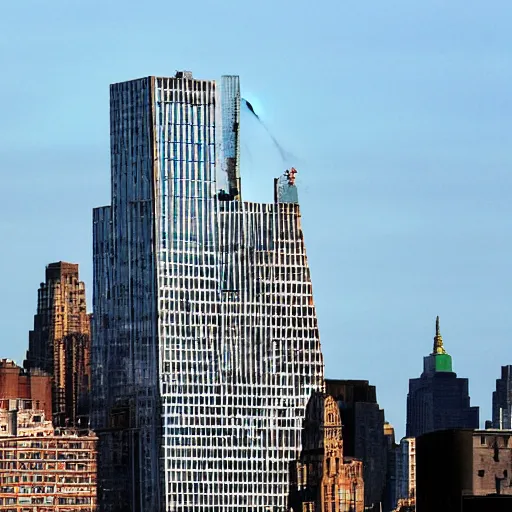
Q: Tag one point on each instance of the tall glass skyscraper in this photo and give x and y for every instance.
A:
(205, 339)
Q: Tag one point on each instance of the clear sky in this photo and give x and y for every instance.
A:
(398, 115)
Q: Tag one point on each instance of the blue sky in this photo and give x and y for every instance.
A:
(398, 116)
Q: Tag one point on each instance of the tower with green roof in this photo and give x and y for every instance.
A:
(438, 399)
(439, 360)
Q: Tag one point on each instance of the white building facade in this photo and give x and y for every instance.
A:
(205, 342)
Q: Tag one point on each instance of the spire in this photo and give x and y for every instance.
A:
(438, 341)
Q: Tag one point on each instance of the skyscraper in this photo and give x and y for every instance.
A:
(502, 400)
(59, 344)
(205, 339)
(439, 399)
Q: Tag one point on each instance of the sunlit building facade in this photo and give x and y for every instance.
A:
(205, 339)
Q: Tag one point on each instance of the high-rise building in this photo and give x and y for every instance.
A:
(205, 339)
(439, 399)
(406, 471)
(389, 499)
(59, 344)
(363, 433)
(502, 400)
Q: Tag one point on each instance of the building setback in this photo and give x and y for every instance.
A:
(502, 400)
(323, 480)
(439, 399)
(59, 344)
(389, 499)
(205, 339)
(363, 433)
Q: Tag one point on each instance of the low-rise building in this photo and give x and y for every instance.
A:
(42, 469)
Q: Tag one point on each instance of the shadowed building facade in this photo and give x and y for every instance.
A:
(458, 465)
(439, 399)
(59, 344)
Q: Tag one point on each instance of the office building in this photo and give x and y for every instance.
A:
(389, 499)
(502, 400)
(439, 399)
(59, 344)
(363, 433)
(323, 480)
(205, 339)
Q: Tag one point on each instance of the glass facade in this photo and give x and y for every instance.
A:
(205, 339)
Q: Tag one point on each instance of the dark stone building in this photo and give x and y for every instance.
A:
(454, 465)
(439, 399)
(363, 433)
(389, 498)
(502, 400)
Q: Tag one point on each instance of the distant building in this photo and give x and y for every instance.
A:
(456, 464)
(389, 499)
(363, 433)
(42, 469)
(19, 386)
(323, 480)
(48, 473)
(59, 344)
(406, 471)
(439, 399)
(502, 400)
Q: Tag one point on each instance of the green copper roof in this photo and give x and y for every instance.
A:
(443, 363)
(439, 360)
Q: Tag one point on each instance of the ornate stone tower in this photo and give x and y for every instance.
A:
(322, 479)
(59, 344)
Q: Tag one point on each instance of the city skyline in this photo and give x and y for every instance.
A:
(401, 142)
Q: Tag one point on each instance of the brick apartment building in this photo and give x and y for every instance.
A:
(42, 469)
